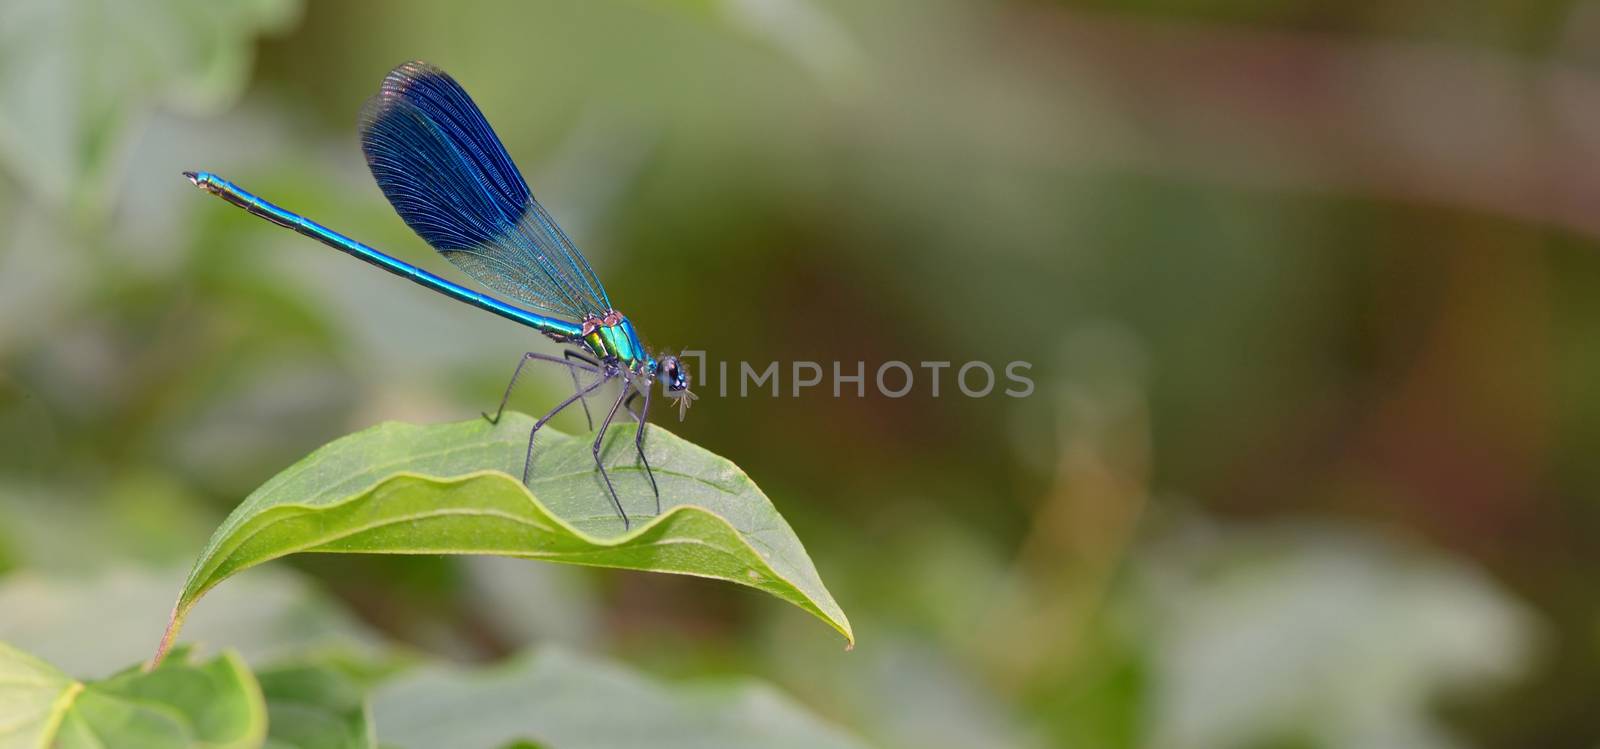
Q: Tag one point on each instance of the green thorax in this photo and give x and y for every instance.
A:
(613, 338)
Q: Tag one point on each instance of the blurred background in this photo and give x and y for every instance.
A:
(1307, 287)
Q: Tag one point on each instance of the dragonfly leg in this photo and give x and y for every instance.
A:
(569, 355)
(638, 440)
(627, 385)
(532, 356)
(527, 465)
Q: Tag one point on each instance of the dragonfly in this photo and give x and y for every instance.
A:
(447, 174)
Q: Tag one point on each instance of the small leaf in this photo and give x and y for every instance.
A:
(210, 705)
(557, 698)
(316, 705)
(34, 698)
(449, 489)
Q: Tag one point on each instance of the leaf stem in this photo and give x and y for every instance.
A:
(173, 625)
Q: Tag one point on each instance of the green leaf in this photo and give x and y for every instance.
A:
(316, 705)
(449, 489)
(212, 705)
(34, 697)
(556, 698)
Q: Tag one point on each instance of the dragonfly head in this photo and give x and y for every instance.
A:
(674, 376)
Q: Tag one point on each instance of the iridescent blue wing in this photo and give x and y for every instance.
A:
(446, 173)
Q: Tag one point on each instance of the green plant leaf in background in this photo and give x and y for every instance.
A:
(316, 705)
(448, 489)
(73, 77)
(34, 697)
(557, 698)
(214, 704)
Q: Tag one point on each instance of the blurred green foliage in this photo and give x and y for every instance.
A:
(182, 703)
(1307, 287)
